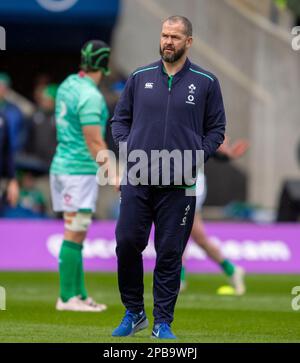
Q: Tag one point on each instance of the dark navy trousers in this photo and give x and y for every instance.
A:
(172, 213)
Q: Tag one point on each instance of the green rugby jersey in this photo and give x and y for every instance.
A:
(78, 103)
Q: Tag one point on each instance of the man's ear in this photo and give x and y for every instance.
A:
(189, 42)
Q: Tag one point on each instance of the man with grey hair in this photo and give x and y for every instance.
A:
(169, 105)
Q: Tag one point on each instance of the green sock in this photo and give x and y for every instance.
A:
(80, 285)
(182, 274)
(69, 258)
(228, 267)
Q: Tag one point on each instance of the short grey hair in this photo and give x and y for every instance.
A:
(186, 22)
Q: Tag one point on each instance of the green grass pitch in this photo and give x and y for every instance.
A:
(264, 314)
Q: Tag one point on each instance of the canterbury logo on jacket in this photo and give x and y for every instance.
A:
(158, 112)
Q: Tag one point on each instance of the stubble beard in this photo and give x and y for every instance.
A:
(174, 57)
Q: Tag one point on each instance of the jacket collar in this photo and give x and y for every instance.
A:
(179, 74)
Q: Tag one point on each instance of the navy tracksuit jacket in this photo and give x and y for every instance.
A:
(157, 112)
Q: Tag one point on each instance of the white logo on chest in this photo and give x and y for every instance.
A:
(192, 88)
(190, 98)
(149, 85)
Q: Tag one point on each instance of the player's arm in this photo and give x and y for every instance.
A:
(122, 119)
(92, 113)
(99, 151)
(215, 120)
(94, 140)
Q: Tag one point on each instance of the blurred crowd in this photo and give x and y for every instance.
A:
(27, 145)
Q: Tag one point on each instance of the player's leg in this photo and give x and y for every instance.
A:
(72, 283)
(87, 198)
(173, 219)
(183, 281)
(200, 198)
(78, 237)
(235, 273)
(68, 193)
(200, 237)
(70, 258)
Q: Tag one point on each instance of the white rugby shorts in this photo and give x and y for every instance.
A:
(71, 193)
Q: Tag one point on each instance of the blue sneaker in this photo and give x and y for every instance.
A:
(162, 331)
(131, 324)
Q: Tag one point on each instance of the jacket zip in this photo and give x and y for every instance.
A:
(170, 80)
